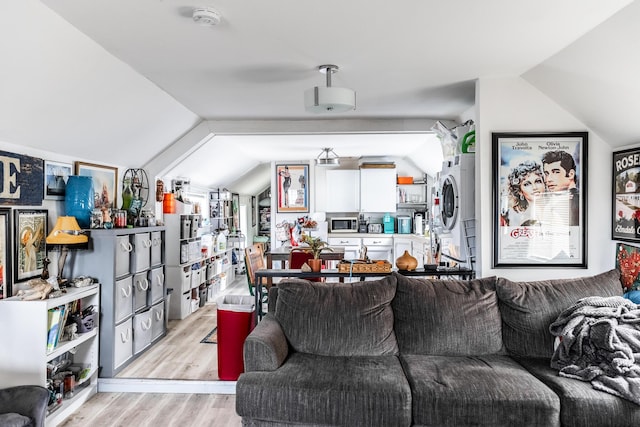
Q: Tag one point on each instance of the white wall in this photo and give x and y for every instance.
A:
(511, 105)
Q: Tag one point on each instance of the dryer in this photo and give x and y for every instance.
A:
(457, 205)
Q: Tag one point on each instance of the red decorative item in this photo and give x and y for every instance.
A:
(628, 262)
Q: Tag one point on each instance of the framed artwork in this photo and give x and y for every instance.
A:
(5, 253)
(105, 180)
(628, 263)
(539, 194)
(56, 175)
(30, 233)
(626, 196)
(254, 212)
(292, 182)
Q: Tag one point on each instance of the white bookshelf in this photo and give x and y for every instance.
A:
(24, 355)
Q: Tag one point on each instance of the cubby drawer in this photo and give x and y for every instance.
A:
(123, 299)
(156, 284)
(157, 320)
(140, 291)
(123, 348)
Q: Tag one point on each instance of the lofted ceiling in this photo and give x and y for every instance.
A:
(120, 81)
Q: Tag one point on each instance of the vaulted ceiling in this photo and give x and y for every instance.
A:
(119, 81)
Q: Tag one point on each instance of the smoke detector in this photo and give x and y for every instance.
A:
(206, 16)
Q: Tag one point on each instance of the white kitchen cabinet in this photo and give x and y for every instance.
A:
(377, 190)
(401, 244)
(343, 190)
(24, 355)
(379, 248)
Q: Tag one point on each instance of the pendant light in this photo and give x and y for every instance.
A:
(329, 99)
(327, 157)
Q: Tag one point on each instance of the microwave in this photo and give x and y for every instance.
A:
(343, 225)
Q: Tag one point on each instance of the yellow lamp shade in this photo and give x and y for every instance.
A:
(67, 232)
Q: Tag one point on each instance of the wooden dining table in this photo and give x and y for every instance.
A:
(282, 254)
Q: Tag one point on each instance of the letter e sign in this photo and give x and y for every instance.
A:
(21, 179)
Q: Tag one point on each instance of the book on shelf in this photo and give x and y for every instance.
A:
(53, 326)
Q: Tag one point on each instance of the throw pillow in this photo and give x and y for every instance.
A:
(338, 319)
(529, 308)
(447, 317)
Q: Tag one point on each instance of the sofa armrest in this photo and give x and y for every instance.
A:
(28, 400)
(266, 347)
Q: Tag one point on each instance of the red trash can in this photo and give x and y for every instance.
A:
(236, 319)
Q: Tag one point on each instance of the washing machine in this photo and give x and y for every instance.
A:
(457, 208)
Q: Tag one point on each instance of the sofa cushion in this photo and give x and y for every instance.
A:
(451, 317)
(529, 308)
(321, 390)
(338, 319)
(490, 390)
(12, 419)
(581, 404)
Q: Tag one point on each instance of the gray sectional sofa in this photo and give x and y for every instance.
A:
(407, 351)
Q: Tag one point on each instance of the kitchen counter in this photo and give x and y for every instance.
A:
(375, 235)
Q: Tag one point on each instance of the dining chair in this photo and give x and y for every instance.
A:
(298, 257)
(254, 260)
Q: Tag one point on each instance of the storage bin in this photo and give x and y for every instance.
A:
(86, 323)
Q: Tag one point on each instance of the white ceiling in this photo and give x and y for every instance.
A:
(105, 77)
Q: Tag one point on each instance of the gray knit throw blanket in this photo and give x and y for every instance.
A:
(601, 344)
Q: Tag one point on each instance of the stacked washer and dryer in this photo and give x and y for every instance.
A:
(456, 188)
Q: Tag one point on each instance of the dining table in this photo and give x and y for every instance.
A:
(335, 253)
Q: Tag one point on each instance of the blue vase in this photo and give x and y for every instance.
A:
(79, 199)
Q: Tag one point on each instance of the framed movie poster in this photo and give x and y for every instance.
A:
(293, 188)
(539, 193)
(626, 195)
(29, 237)
(5, 253)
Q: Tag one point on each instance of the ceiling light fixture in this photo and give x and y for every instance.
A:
(327, 157)
(206, 16)
(329, 99)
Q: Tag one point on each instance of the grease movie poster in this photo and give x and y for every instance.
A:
(540, 187)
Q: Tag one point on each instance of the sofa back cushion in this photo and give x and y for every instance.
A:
(338, 319)
(447, 317)
(528, 308)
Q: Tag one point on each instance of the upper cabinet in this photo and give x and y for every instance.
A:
(343, 190)
(361, 190)
(377, 190)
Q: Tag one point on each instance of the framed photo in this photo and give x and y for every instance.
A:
(628, 263)
(626, 195)
(293, 188)
(5, 253)
(539, 194)
(56, 175)
(30, 234)
(105, 180)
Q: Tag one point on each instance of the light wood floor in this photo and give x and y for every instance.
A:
(156, 410)
(179, 355)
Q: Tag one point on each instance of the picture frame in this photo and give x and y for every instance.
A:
(30, 232)
(105, 181)
(292, 183)
(625, 215)
(6, 290)
(56, 175)
(254, 212)
(539, 197)
(628, 263)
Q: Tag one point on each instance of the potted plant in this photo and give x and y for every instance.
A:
(316, 245)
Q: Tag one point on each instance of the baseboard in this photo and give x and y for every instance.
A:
(141, 385)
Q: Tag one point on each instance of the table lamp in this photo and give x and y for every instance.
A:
(65, 236)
